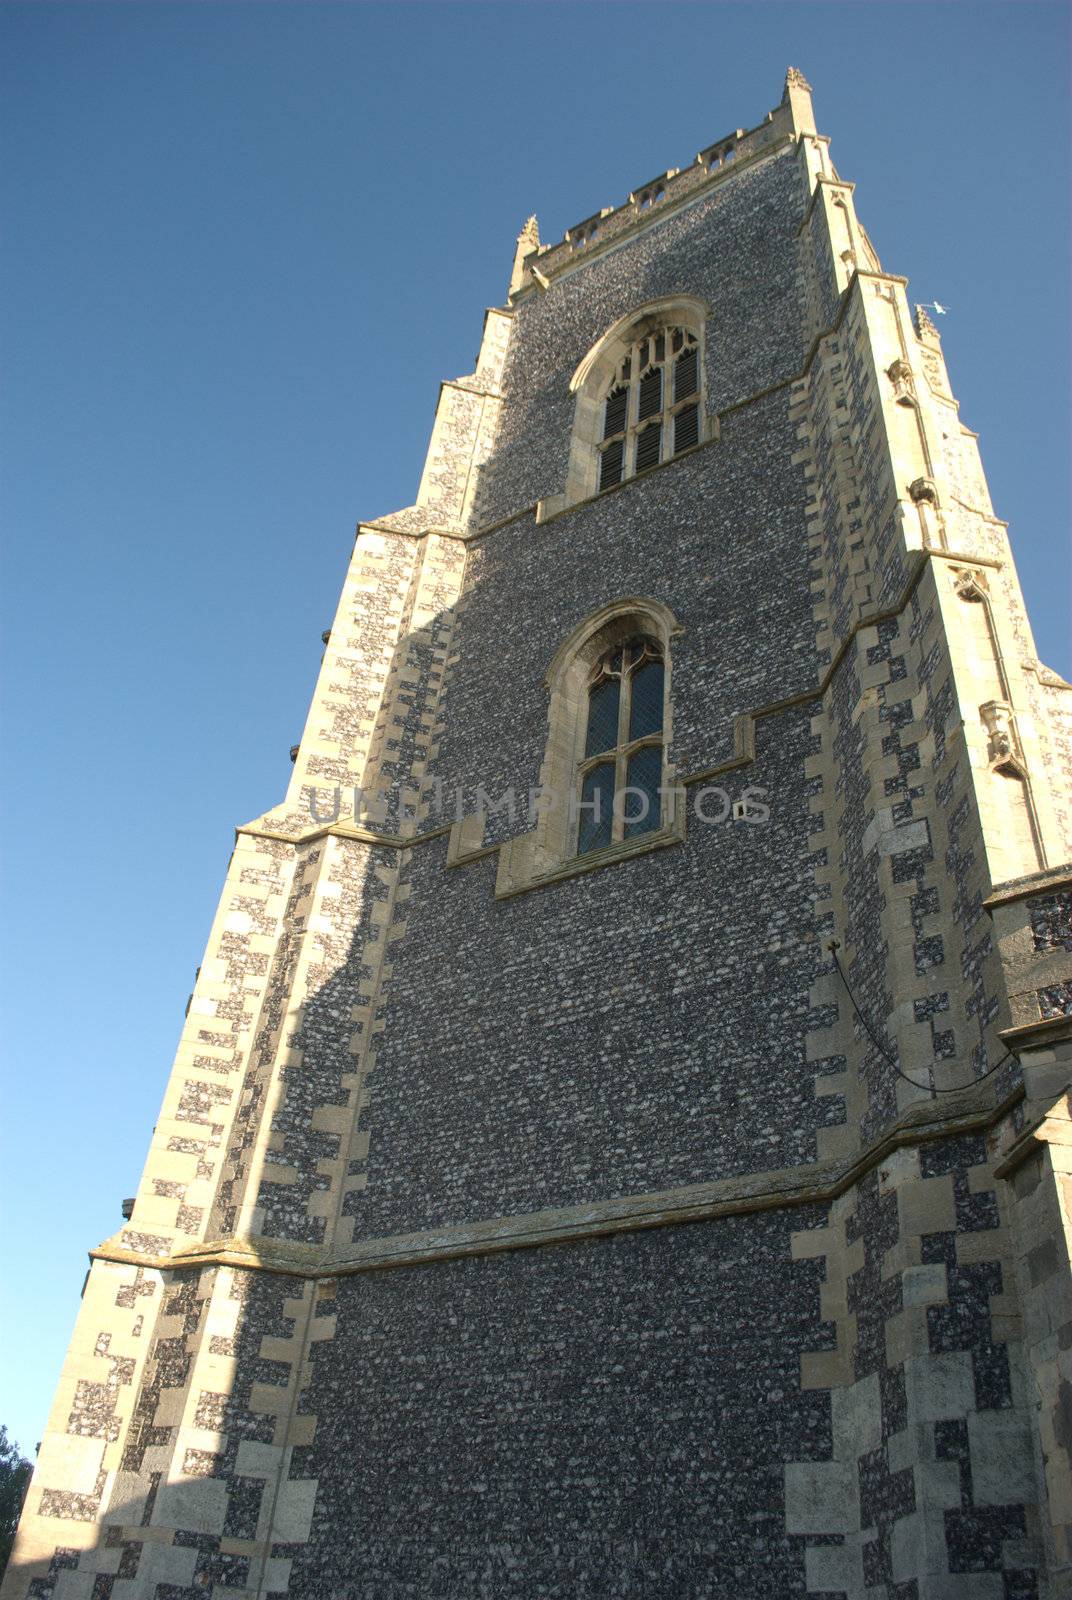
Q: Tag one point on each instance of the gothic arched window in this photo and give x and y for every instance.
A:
(621, 769)
(609, 743)
(651, 410)
(639, 399)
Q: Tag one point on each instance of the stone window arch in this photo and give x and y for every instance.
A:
(619, 791)
(640, 396)
(628, 644)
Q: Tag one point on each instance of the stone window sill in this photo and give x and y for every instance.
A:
(520, 870)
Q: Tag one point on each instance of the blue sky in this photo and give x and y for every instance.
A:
(243, 245)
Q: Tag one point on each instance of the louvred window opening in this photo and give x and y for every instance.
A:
(647, 447)
(652, 411)
(610, 464)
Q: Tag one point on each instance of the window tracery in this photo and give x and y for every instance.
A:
(609, 729)
(620, 431)
(620, 776)
(651, 411)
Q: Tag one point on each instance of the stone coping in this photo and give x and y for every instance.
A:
(683, 187)
(1037, 1035)
(1041, 1131)
(1046, 882)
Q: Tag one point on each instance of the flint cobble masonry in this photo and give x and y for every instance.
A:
(591, 1076)
(523, 1425)
(685, 1218)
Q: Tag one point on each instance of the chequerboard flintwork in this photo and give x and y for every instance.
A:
(668, 1202)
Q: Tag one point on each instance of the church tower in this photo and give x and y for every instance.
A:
(620, 1142)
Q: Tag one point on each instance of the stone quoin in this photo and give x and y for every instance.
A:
(627, 1194)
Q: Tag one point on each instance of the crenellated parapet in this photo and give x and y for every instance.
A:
(537, 266)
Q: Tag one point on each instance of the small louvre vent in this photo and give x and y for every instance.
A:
(614, 420)
(685, 374)
(610, 464)
(686, 429)
(647, 448)
(651, 394)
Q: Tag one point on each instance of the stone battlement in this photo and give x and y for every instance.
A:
(663, 193)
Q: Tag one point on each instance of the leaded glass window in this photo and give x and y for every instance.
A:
(621, 771)
(651, 411)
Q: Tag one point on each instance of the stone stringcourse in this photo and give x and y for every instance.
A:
(520, 1222)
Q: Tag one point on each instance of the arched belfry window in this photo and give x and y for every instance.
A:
(652, 409)
(639, 398)
(621, 770)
